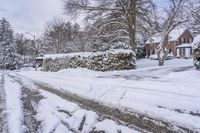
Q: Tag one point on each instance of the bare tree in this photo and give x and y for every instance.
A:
(176, 14)
(62, 37)
(55, 34)
(21, 44)
(196, 16)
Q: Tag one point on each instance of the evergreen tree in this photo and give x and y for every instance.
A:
(9, 58)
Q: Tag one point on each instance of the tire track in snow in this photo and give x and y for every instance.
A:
(30, 99)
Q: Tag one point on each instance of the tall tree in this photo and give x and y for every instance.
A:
(21, 44)
(115, 19)
(176, 14)
(63, 37)
(196, 17)
(9, 57)
(39, 47)
(56, 34)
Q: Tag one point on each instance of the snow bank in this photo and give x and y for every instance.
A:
(14, 106)
(99, 61)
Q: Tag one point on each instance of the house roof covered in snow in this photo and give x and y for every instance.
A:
(173, 36)
(185, 45)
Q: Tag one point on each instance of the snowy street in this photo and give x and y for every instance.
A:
(151, 98)
(31, 109)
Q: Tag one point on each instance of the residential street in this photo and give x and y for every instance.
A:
(57, 102)
(46, 110)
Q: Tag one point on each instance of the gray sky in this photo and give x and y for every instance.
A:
(31, 15)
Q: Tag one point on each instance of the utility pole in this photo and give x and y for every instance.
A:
(35, 52)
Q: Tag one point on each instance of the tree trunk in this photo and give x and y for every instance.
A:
(132, 24)
(162, 54)
(161, 61)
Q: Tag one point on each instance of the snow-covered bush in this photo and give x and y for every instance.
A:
(196, 47)
(196, 42)
(98, 61)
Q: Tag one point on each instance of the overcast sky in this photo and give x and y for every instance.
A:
(31, 15)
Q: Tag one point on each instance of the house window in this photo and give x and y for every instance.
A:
(191, 51)
(170, 51)
(153, 51)
(182, 40)
(182, 51)
(190, 40)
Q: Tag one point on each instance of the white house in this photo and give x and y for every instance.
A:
(184, 50)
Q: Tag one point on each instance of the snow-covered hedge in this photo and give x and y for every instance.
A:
(99, 61)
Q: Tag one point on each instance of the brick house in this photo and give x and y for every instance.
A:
(180, 42)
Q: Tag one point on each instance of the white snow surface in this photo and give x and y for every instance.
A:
(13, 106)
(53, 119)
(110, 127)
(86, 54)
(158, 92)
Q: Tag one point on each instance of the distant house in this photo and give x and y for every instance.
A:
(179, 44)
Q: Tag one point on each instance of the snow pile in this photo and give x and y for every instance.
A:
(99, 61)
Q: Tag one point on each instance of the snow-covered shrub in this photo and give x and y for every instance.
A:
(98, 61)
(196, 42)
(196, 47)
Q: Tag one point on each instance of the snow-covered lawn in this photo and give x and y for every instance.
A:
(170, 93)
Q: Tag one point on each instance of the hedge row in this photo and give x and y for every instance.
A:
(98, 61)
